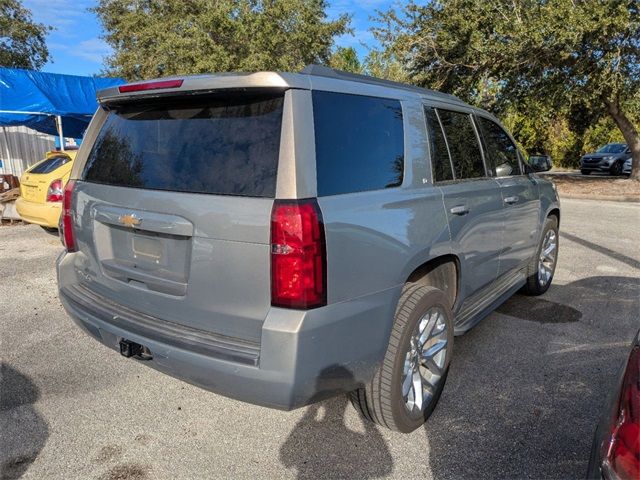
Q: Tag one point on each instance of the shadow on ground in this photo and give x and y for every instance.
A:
(631, 262)
(321, 445)
(523, 399)
(23, 431)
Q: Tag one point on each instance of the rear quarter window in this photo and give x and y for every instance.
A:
(359, 143)
(217, 145)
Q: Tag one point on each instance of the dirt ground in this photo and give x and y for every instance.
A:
(594, 186)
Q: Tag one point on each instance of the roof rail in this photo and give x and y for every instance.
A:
(322, 71)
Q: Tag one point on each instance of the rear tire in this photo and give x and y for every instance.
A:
(542, 266)
(407, 385)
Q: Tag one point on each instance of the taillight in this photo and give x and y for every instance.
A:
(298, 255)
(54, 193)
(157, 85)
(66, 218)
(623, 455)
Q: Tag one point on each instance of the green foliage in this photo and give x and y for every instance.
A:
(528, 127)
(377, 63)
(564, 49)
(346, 59)
(600, 134)
(573, 61)
(384, 64)
(153, 38)
(540, 131)
(562, 143)
(22, 42)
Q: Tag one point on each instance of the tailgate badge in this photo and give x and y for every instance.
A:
(129, 220)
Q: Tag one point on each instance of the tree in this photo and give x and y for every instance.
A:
(153, 38)
(563, 53)
(377, 63)
(22, 41)
(383, 64)
(345, 59)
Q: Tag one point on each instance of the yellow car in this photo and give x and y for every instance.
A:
(41, 189)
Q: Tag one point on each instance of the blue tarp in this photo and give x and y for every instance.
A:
(47, 95)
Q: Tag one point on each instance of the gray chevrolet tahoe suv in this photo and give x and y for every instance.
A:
(279, 238)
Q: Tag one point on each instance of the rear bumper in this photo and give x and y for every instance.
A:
(44, 214)
(303, 356)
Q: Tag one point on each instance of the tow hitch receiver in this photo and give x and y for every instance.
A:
(130, 349)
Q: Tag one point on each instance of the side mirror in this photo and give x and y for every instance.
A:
(540, 163)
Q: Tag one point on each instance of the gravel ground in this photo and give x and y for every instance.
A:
(595, 186)
(522, 399)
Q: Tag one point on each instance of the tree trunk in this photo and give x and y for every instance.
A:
(629, 133)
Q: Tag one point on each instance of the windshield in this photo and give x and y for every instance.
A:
(50, 164)
(612, 148)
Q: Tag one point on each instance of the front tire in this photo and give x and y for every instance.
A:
(542, 266)
(407, 385)
(585, 172)
(616, 169)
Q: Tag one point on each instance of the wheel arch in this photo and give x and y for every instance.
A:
(442, 272)
(554, 212)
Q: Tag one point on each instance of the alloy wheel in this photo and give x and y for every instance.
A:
(425, 360)
(547, 259)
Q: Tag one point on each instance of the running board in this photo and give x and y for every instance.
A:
(499, 292)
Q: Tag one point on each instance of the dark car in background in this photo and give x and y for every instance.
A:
(616, 447)
(608, 159)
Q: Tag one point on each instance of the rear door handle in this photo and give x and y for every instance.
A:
(460, 210)
(511, 200)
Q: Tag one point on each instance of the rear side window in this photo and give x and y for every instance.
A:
(50, 164)
(500, 149)
(226, 146)
(359, 143)
(440, 162)
(463, 144)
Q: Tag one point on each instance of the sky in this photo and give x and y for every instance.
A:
(75, 46)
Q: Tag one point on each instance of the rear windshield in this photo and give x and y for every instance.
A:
(226, 146)
(50, 164)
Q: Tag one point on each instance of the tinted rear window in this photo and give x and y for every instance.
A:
(50, 164)
(359, 143)
(226, 146)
